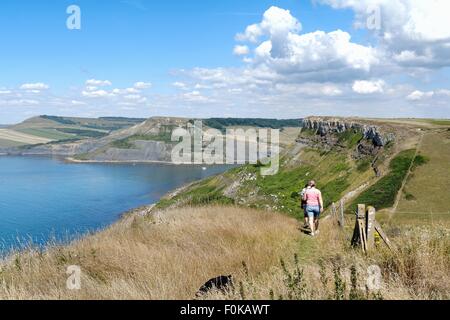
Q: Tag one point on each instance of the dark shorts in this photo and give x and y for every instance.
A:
(303, 207)
(313, 212)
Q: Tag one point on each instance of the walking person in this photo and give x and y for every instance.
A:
(303, 205)
(314, 206)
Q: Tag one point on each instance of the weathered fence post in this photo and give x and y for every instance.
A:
(365, 227)
(382, 234)
(334, 211)
(370, 224)
(359, 234)
(341, 216)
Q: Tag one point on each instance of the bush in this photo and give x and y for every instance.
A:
(123, 144)
(383, 193)
(409, 196)
(350, 138)
(420, 160)
(363, 165)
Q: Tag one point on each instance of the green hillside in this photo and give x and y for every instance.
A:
(417, 160)
(169, 250)
(44, 129)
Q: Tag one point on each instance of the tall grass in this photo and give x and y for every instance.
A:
(171, 254)
(418, 267)
(166, 256)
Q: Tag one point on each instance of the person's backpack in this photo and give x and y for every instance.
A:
(303, 202)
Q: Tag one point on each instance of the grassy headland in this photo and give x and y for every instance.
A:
(171, 254)
(242, 223)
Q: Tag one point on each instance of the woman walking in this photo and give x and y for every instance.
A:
(314, 206)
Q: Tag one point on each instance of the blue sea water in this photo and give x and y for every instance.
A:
(43, 199)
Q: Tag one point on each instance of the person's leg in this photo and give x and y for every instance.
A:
(306, 218)
(317, 219)
(311, 220)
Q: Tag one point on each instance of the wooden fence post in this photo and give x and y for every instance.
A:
(370, 224)
(333, 211)
(365, 227)
(382, 234)
(359, 234)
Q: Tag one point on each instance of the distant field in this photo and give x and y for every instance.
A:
(439, 122)
(8, 143)
(19, 137)
(51, 134)
(44, 129)
(427, 190)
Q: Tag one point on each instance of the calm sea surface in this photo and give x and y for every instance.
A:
(44, 199)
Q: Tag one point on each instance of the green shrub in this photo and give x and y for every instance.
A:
(383, 193)
(409, 196)
(123, 144)
(215, 197)
(420, 160)
(363, 165)
(308, 132)
(350, 138)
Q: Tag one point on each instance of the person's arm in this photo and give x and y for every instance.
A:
(321, 202)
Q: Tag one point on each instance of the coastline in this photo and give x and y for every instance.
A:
(73, 160)
(123, 216)
(78, 161)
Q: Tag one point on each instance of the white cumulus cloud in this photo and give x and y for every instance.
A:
(315, 56)
(419, 95)
(276, 21)
(35, 86)
(98, 83)
(142, 85)
(368, 87)
(416, 33)
(96, 94)
(241, 50)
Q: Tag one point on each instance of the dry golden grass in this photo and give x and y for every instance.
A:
(418, 267)
(168, 256)
(171, 254)
(20, 137)
(429, 185)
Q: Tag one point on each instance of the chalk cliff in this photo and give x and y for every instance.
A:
(371, 132)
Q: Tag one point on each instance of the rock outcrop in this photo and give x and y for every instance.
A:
(325, 126)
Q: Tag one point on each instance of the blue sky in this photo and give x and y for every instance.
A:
(123, 40)
(184, 49)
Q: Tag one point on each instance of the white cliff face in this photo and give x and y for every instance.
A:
(326, 126)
